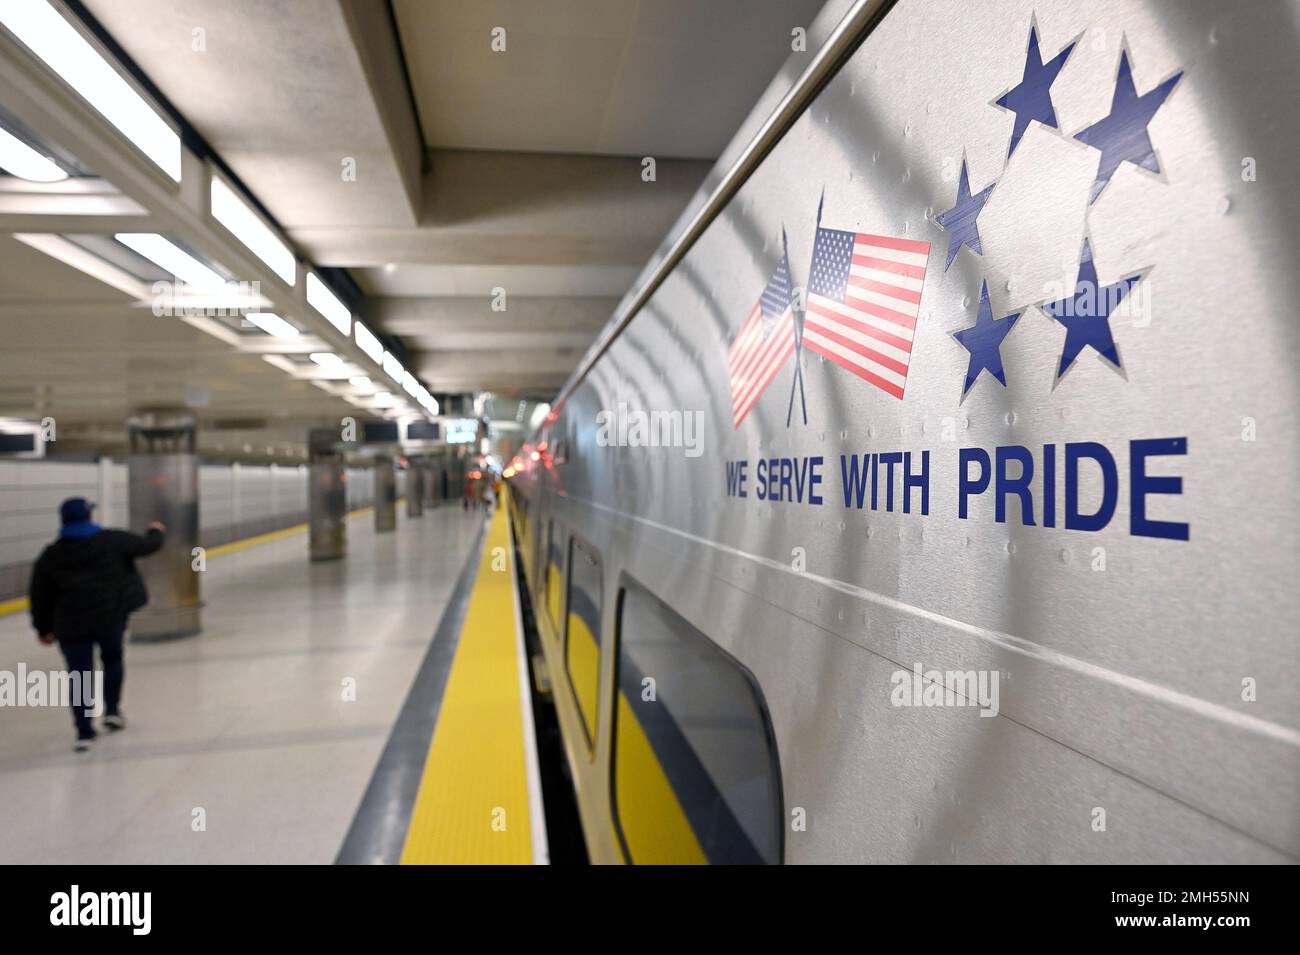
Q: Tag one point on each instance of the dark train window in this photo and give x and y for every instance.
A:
(554, 576)
(523, 533)
(582, 638)
(695, 776)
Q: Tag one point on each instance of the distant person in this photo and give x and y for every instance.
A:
(84, 586)
(489, 497)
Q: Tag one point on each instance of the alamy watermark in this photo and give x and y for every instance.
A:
(918, 687)
(133, 910)
(624, 428)
(227, 300)
(1127, 300)
(69, 688)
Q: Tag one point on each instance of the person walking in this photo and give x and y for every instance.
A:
(84, 587)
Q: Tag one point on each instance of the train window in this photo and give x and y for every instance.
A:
(582, 638)
(695, 776)
(554, 576)
(525, 532)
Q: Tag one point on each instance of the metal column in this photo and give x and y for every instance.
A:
(163, 475)
(327, 495)
(429, 470)
(414, 489)
(385, 495)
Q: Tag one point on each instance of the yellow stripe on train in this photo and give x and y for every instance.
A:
(655, 827)
(582, 658)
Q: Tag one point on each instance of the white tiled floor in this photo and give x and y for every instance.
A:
(246, 721)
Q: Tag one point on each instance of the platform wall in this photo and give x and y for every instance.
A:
(236, 501)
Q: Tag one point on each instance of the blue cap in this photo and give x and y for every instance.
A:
(75, 509)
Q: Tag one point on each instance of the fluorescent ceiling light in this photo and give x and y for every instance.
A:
(392, 367)
(327, 303)
(384, 399)
(326, 359)
(427, 399)
(368, 343)
(247, 226)
(65, 51)
(171, 259)
(19, 159)
(273, 325)
(410, 385)
(360, 381)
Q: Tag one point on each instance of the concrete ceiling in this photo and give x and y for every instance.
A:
(88, 355)
(285, 92)
(664, 78)
(475, 172)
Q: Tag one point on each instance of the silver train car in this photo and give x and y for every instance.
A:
(934, 496)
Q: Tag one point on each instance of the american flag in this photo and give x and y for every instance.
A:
(864, 295)
(764, 343)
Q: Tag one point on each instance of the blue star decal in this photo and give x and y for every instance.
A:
(1032, 99)
(1122, 135)
(960, 219)
(1086, 314)
(984, 341)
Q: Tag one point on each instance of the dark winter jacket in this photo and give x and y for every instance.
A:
(83, 586)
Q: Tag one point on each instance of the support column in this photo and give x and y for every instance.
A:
(414, 489)
(385, 495)
(163, 472)
(275, 505)
(327, 494)
(428, 468)
(458, 472)
(104, 503)
(236, 513)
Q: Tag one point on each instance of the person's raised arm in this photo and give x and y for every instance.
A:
(134, 545)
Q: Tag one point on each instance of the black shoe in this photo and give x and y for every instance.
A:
(85, 743)
(114, 722)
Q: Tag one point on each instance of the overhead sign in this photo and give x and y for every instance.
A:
(461, 430)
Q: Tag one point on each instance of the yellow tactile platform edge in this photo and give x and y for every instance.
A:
(473, 804)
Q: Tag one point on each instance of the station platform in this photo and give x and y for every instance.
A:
(317, 700)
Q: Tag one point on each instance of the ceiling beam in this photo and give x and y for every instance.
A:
(489, 208)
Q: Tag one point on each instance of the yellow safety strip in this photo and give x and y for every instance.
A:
(247, 542)
(473, 806)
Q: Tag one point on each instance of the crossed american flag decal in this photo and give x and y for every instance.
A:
(864, 295)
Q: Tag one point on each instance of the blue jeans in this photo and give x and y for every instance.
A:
(80, 656)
